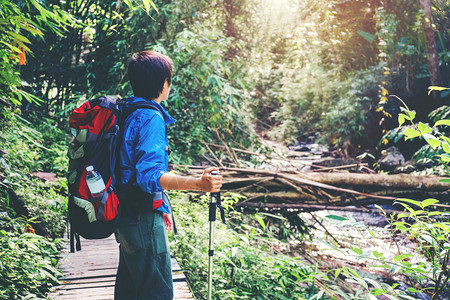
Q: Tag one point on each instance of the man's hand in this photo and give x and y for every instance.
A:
(210, 183)
(167, 221)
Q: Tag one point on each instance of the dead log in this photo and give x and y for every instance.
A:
(401, 181)
(405, 181)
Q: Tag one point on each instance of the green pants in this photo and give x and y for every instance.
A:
(144, 265)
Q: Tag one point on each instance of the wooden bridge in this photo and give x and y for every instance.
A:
(90, 276)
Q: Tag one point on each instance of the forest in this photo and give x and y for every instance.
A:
(329, 120)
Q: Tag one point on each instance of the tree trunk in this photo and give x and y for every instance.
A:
(230, 13)
(430, 40)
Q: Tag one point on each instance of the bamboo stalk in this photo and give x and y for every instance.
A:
(214, 155)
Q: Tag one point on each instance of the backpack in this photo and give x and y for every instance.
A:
(95, 126)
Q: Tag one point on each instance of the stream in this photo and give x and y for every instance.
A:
(366, 231)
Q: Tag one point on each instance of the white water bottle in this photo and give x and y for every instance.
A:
(95, 182)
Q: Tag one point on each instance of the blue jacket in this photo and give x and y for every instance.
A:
(144, 148)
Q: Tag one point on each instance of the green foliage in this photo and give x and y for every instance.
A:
(426, 270)
(338, 112)
(27, 265)
(15, 26)
(28, 261)
(246, 265)
(205, 95)
(26, 154)
(91, 59)
(324, 75)
(434, 138)
(13, 43)
(33, 148)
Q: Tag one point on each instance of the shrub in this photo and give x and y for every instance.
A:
(246, 266)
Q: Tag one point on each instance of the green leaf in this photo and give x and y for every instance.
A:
(380, 208)
(411, 133)
(371, 297)
(354, 273)
(402, 118)
(33, 30)
(428, 202)
(434, 143)
(442, 226)
(410, 114)
(356, 250)
(17, 37)
(405, 263)
(260, 220)
(445, 180)
(154, 6)
(334, 217)
(436, 88)
(442, 122)
(424, 128)
(446, 147)
(377, 254)
(318, 295)
(146, 5)
(435, 213)
(444, 158)
(374, 283)
(366, 35)
(129, 4)
(417, 203)
(402, 257)
(337, 272)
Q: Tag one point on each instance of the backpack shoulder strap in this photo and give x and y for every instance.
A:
(133, 108)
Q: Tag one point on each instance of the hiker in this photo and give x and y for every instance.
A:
(144, 270)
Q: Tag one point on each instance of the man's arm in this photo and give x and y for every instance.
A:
(206, 183)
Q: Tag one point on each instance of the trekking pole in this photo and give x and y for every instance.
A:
(213, 204)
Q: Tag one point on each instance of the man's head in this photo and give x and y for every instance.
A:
(148, 71)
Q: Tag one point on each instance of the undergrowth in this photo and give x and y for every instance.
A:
(28, 261)
(247, 264)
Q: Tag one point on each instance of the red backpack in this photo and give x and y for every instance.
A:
(96, 129)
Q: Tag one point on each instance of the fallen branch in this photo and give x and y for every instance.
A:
(330, 188)
(324, 169)
(326, 230)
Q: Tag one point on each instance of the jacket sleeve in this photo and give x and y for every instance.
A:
(150, 154)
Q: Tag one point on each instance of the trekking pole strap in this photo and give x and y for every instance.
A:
(72, 240)
(212, 209)
(216, 204)
(222, 212)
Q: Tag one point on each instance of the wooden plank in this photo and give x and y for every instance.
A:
(88, 275)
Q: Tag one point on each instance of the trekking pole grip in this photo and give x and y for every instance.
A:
(214, 200)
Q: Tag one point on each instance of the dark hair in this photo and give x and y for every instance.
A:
(147, 72)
